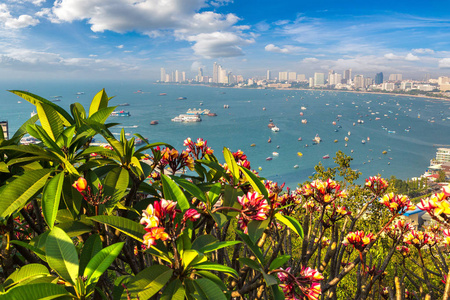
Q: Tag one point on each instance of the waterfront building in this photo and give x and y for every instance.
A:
(311, 82)
(301, 77)
(443, 80)
(388, 86)
(215, 77)
(319, 79)
(239, 78)
(359, 82)
(292, 76)
(282, 76)
(442, 155)
(163, 75)
(268, 75)
(177, 76)
(348, 75)
(395, 77)
(406, 85)
(379, 78)
(331, 77)
(183, 76)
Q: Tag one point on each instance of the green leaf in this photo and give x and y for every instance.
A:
(116, 184)
(51, 197)
(277, 292)
(99, 101)
(50, 120)
(256, 183)
(62, 255)
(256, 229)
(100, 262)
(36, 250)
(25, 273)
(187, 257)
(279, 261)
(214, 193)
(251, 263)
(220, 219)
(76, 228)
(173, 192)
(16, 194)
(290, 222)
(232, 165)
(131, 228)
(91, 247)
(203, 240)
(218, 245)
(34, 99)
(211, 266)
(23, 129)
(190, 187)
(148, 282)
(38, 291)
(40, 133)
(208, 289)
(213, 278)
(255, 249)
(269, 279)
(102, 114)
(173, 291)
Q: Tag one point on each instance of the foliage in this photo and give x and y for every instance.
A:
(119, 222)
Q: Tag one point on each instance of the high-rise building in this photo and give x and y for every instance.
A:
(319, 79)
(268, 75)
(215, 77)
(177, 76)
(301, 77)
(200, 72)
(311, 82)
(443, 80)
(292, 76)
(163, 75)
(359, 81)
(348, 75)
(222, 75)
(331, 77)
(379, 78)
(183, 76)
(282, 76)
(395, 77)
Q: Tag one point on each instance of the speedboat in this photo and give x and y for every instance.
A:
(269, 158)
(326, 156)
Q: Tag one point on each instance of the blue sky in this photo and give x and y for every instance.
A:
(134, 38)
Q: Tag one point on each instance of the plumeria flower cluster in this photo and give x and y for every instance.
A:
(377, 185)
(446, 233)
(254, 207)
(437, 206)
(324, 192)
(398, 229)
(359, 240)
(288, 201)
(306, 285)
(324, 242)
(176, 160)
(85, 190)
(404, 251)
(419, 239)
(241, 159)
(159, 218)
(273, 189)
(198, 149)
(397, 204)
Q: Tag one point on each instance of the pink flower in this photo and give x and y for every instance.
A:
(377, 184)
(254, 207)
(155, 233)
(359, 240)
(191, 214)
(397, 204)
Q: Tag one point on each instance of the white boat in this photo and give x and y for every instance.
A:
(363, 141)
(349, 133)
(304, 121)
(187, 118)
(303, 108)
(33, 113)
(275, 129)
(197, 111)
(317, 139)
(275, 153)
(296, 167)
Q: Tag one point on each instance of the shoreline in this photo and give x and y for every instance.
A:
(303, 89)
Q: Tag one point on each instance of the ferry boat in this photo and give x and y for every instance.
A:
(275, 129)
(197, 111)
(187, 118)
(154, 122)
(120, 113)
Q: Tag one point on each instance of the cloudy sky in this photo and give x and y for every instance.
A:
(135, 38)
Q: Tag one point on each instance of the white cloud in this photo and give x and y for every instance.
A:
(15, 23)
(444, 63)
(310, 60)
(411, 57)
(218, 44)
(392, 56)
(288, 49)
(423, 51)
(157, 18)
(119, 47)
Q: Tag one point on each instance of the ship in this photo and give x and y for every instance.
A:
(275, 129)
(162, 94)
(181, 98)
(271, 125)
(154, 122)
(304, 121)
(120, 113)
(317, 139)
(123, 104)
(187, 118)
(197, 111)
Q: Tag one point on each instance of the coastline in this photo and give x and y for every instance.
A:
(303, 89)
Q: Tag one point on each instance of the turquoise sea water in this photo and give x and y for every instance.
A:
(245, 122)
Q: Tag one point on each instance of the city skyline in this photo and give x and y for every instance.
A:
(134, 39)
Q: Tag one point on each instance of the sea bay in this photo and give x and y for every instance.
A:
(245, 122)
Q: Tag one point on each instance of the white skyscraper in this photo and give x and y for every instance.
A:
(292, 76)
(268, 75)
(183, 76)
(359, 82)
(282, 76)
(319, 79)
(215, 77)
(163, 75)
(177, 76)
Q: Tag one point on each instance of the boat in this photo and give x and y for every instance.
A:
(304, 121)
(29, 140)
(275, 129)
(335, 141)
(139, 141)
(197, 111)
(33, 113)
(418, 116)
(334, 123)
(264, 108)
(123, 104)
(299, 154)
(317, 139)
(346, 139)
(368, 138)
(162, 94)
(269, 140)
(79, 93)
(299, 139)
(181, 98)
(270, 125)
(391, 131)
(56, 100)
(301, 113)
(295, 166)
(275, 153)
(363, 141)
(154, 122)
(187, 118)
(252, 145)
(226, 106)
(303, 108)
(384, 152)
(269, 158)
(19, 101)
(120, 113)
(349, 133)
(326, 156)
